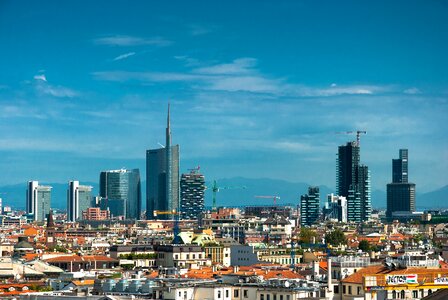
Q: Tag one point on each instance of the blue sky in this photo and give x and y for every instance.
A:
(258, 89)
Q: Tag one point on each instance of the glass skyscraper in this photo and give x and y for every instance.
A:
(79, 199)
(400, 193)
(162, 179)
(353, 182)
(38, 200)
(122, 190)
(310, 207)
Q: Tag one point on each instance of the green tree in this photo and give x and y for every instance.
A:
(336, 237)
(364, 246)
(306, 235)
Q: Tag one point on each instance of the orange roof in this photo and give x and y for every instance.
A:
(382, 270)
(77, 258)
(83, 282)
(323, 264)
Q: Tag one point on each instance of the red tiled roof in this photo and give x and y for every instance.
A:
(77, 258)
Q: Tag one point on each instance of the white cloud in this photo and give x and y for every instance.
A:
(123, 56)
(412, 91)
(237, 67)
(196, 29)
(40, 77)
(239, 75)
(42, 86)
(126, 40)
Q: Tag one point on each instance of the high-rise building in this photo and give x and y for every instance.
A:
(192, 188)
(354, 206)
(79, 199)
(353, 178)
(121, 192)
(400, 167)
(310, 206)
(336, 208)
(38, 200)
(400, 193)
(162, 178)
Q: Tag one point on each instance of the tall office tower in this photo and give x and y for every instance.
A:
(162, 178)
(400, 167)
(38, 200)
(363, 181)
(121, 192)
(192, 188)
(336, 208)
(355, 177)
(309, 206)
(354, 207)
(400, 193)
(79, 199)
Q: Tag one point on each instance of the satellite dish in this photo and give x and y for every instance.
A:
(287, 284)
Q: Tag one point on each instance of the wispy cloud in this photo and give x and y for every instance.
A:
(126, 40)
(42, 86)
(196, 29)
(240, 75)
(237, 67)
(412, 91)
(40, 77)
(123, 56)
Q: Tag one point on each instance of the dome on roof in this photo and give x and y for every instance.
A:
(23, 244)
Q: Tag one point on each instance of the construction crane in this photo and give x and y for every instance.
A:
(195, 170)
(358, 135)
(215, 189)
(275, 198)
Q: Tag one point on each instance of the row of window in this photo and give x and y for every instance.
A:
(274, 297)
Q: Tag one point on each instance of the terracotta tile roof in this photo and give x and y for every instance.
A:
(423, 273)
(83, 282)
(77, 258)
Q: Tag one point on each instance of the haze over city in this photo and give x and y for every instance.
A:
(256, 89)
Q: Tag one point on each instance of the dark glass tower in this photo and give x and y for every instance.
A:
(121, 189)
(162, 178)
(400, 193)
(310, 206)
(353, 178)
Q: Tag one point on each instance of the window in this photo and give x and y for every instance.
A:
(359, 291)
(403, 293)
(194, 256)
(344, 291)
(261, 296)
(415, 294)
(287, 297)
(219, 294)
(245, 293)
(281, 297)
(275, 297)
(268, 297)
(227, 293)
(336, 289)
(349, 289)
(394, 295)
(236, 293)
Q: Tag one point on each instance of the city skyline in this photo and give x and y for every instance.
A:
(83, 95)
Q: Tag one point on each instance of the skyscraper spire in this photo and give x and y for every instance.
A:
(169, 196)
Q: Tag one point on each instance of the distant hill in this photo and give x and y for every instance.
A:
(289, 192)
(434, 199)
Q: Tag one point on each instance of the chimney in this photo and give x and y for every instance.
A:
(236, 269)
(329, 279)
(315, 268)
